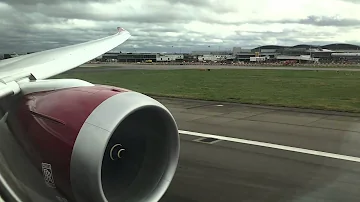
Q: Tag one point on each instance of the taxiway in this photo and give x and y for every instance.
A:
(217, 170)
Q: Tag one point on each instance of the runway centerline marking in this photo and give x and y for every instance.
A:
(274, 146)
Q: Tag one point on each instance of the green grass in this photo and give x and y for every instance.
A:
(328, 90)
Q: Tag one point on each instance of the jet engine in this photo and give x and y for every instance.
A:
(98, 143)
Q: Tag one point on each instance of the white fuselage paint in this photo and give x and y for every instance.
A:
(274, 146)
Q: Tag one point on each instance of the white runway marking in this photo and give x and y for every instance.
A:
(274, 146)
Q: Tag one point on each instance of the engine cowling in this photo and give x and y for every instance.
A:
(98, 143)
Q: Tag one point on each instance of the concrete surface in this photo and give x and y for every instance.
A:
(227, 171)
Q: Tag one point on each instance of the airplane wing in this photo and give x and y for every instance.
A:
(45, 64)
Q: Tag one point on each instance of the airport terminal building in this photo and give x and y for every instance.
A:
(328, 53)
(269, 53)
(146, 57)
(339, 53)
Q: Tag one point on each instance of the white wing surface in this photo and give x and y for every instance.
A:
(45, 64)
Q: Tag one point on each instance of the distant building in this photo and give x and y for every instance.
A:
(339, 52)
(109, 57)
(169, 57)
(258, 59)
(301, 58)
(137, 57)
(302, 52)
(342, 47)
(190, 58)
(144, 57)
(211, 52)
(256, 54)
(215, 58)
(241, 54)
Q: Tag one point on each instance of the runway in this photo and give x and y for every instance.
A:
(229, 171)
(117, 67)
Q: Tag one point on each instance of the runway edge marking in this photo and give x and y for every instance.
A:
(274, 146)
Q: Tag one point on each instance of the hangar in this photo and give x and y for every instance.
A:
(326, 53)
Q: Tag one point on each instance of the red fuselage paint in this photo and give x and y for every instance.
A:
(47, 125)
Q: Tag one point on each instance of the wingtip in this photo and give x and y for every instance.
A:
(120, 29)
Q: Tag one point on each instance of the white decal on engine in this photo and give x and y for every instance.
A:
(48, 176)
(118, 153)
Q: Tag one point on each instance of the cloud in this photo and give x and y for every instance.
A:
(328, 21)
(168, 25)
(352, 1)
(217, 6)
(34, 2)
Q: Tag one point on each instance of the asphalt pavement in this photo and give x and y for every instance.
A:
(227, 171)
(120, 66)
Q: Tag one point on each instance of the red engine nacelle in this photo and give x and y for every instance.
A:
(98, 143)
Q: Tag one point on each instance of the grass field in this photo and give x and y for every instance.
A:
(328, 90)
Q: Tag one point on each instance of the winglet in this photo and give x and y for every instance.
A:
(120, 29)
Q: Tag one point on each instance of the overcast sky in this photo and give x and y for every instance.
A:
(171, 25)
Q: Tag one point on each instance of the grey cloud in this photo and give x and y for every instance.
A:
(20, 33)
(159, 29)
(309, 20)
(159, 15)
(216, 6)
(24, 27)
(86, 12)
(329, 21)
(352, 1)
(251, 40)
(152, 14)
(49, 2)
(289, 37)
(190, 2)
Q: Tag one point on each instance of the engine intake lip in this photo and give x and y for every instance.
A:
(89, 155)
